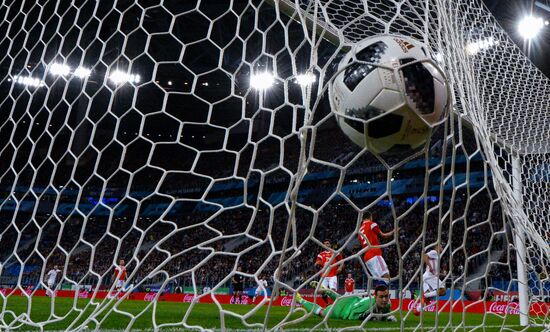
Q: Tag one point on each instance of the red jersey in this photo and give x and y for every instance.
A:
(370, 230)
(323, 259)
(120, 273)
(349, 285)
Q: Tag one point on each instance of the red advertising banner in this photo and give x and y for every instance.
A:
(479, 307)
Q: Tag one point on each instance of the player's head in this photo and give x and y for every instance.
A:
(439, 247)
(55, 267)
(327, 242)
(349, 275)
(381, 296)
(367, 216)
(121, 262)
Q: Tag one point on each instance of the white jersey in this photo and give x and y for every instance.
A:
(433, 257)
(52, 275)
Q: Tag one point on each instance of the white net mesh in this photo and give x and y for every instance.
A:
(132, 131)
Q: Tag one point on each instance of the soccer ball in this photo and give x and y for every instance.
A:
(389, 94)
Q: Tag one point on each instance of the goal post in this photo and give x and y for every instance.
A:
(177, 165)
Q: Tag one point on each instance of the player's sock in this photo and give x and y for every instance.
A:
(310, 307)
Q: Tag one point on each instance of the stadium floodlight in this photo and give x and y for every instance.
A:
(262, 81)
(82, 72)
(120, 77)
(28, 81)
(59, 69)
(480, 45)
(530, 26)
(305, 79)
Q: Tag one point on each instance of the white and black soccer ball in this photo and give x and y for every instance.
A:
(389, 94)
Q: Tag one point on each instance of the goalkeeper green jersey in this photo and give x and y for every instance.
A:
(353, 308)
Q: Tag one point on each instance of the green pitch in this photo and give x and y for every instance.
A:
(208, 316)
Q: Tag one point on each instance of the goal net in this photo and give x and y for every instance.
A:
(193, 143)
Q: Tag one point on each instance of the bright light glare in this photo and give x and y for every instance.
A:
(60, 69)
(480, 45)
(305, 79)
(530, 26)
(262, 81)
(82, 72)
(28, 81)
(120, 77)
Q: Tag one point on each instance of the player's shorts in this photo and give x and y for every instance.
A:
(431, 283)
(119, 284)
(51, 285)
(237, 288)
(377, 266)
(330, 282)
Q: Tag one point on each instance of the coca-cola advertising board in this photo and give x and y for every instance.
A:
(480, 307)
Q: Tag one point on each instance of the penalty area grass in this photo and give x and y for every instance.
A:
(208, 316)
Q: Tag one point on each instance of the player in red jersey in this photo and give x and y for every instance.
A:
(349, 285)
(120, 275)
(330, 276)
(368, 237)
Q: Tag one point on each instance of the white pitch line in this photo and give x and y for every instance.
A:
(396, 328)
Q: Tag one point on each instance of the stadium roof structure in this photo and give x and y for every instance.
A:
(513, 102)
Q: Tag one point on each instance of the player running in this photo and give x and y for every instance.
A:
(330, 276)
(353, 307)
(51, 278)
(368, 237)
(431, 284)
(260, 290)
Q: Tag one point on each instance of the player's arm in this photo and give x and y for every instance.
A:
(340, 263)
(388, 234)
(319, 261)
(428, 264)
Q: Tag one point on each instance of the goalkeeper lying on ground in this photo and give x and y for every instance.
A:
(352, 307)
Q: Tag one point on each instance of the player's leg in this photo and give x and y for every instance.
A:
(323, 290)
(431, 287)
(333, 283)
(379, 269)
(310, 306)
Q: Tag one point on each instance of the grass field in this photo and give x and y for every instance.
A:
(208, 316)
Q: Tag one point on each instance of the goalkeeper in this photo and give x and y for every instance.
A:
(353, 307)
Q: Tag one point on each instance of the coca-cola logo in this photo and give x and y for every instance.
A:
(149, 297)
(504, 308)
(188, 298)
(83, 295)
(244, 300)
(286, 301)
(430, 307)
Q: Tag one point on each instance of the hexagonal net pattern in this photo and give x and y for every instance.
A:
(181, 150)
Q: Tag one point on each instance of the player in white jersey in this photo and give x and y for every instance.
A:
(51, 277)
(259, 290)
(431, 285)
